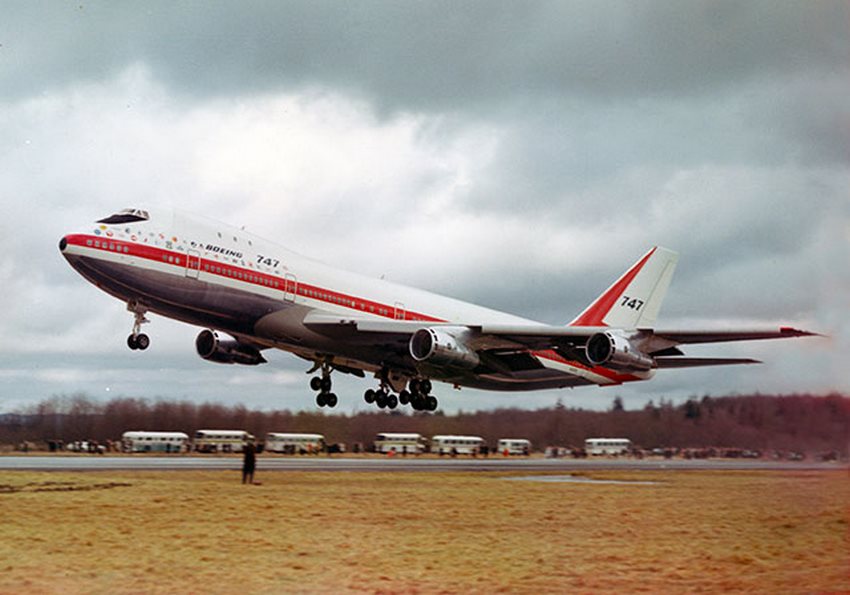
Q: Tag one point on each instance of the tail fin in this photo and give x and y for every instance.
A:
(634, 300)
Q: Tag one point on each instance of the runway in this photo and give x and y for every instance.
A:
(394, 464)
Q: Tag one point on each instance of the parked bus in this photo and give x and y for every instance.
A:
(221, 440)
(400, 443)
(137, 441)
(514, 446)
(462, 445)
(607, 446)
(291, 444)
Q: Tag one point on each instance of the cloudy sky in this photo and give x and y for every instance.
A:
(515, 154)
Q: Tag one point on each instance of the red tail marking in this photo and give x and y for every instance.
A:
(597, 311)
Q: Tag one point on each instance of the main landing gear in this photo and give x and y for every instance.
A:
(323, 384)
(416, 395)
(137, 339)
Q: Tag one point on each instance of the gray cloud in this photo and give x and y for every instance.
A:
(515, 155)
(434, 55)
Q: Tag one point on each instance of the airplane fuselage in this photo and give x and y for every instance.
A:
(213, 275)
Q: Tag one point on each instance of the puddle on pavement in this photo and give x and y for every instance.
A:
(577, 479)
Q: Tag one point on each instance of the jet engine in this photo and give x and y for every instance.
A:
(616, 351)
(438, 346)
(212, 349)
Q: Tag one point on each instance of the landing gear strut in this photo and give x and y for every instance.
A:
(137, 339)
(323, 384)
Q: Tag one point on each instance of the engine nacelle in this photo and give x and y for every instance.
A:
(442, 348)
(212, 349)
(616, 351)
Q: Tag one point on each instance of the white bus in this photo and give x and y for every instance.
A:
(294, 443)
(607, 446)
(137, 441)
(462, 445)
(514, 446)
(413, 444)
(221, 440)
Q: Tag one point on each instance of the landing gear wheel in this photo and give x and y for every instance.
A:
(143, 342)
(381, 399)
(417, 402)
(425, 386)
(131, 342)
(431, 403)
(331, 400)
(404, 397)
(392, 402)
(321, 400)
(316, 383)
(325, 384)
(369, 396)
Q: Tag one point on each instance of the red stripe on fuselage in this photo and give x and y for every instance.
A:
(244, 275)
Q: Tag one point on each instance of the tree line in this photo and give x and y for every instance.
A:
(804, 423)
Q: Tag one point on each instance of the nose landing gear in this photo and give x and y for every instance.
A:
(137, 339)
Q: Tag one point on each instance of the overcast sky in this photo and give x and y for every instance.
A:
(519, 155)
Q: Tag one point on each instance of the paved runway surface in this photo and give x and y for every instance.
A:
(277, 463)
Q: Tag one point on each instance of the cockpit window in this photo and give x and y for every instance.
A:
(126, 216)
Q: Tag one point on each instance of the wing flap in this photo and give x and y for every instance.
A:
(698, 362)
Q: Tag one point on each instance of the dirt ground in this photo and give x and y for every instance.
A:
(337, 532)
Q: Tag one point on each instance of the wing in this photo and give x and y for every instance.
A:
(722, 336)
(501, 342)
(477, 337)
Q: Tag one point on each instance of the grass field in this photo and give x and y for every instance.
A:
(205, 532)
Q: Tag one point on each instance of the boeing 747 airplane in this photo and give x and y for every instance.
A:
(264, 296)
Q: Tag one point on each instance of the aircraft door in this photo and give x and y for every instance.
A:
(193, 264)
(398, 311)
(290, 287)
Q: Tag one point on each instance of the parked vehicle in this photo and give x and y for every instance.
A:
(221, 440)
(514, 446)
(460, 445)
(607, 446)
(140, 441)
(401, 443)
(289, 443)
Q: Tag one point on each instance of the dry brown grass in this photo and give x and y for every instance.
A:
(204, 532)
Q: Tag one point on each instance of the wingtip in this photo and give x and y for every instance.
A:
(788, 331)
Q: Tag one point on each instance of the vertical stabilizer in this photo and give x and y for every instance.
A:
(633, 301)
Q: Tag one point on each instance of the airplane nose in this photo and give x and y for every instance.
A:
(63, 243)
